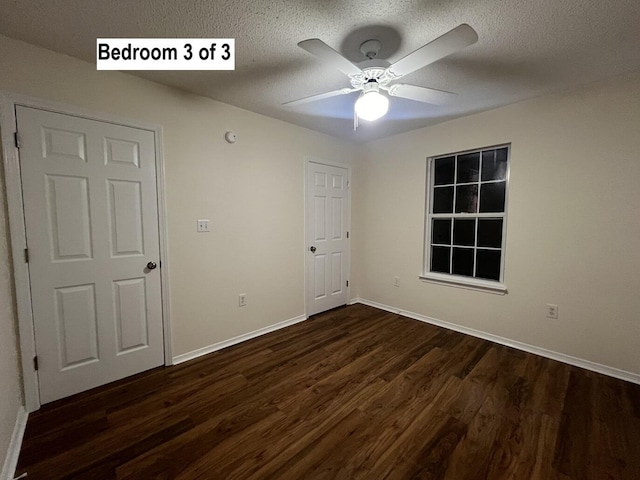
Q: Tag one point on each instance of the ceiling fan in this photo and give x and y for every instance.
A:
(372, 76)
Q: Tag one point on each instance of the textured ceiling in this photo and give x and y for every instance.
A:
(526, 48)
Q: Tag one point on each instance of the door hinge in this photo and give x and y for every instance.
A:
(347, 283)
(16, 139)
(348, 183)
(26, 255)
(35, 363)
(347, 234)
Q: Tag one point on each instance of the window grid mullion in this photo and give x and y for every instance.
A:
(470, 216)
(494, 249)
(475, 246)
(455, 185)
(453, 210)
(451, 250)
(475, 235)
(479, 184)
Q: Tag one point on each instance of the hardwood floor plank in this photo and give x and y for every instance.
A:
(112, 451)
(78, 432)
(401, 458)
(311, 426)
(354, 393)
(316, 459)
(420, 381)
(609, 438)
(464, 402)
(473, 455)
(550, 387)
(387, 427)
(544, 467)
(515, 448)
(178, 397)
(573, 457)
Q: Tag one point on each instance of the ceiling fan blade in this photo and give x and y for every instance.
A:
(454, 40)
(321, 96)
(421, 94)
(327, 54)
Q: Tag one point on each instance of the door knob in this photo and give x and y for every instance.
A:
(313, 249)
(151, 265)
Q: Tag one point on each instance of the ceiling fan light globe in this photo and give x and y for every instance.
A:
(372, 106)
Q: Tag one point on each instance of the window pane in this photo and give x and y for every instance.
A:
(494, 164)
(492, 197)
(440, 259)
(488, 264)
(444, 168)
(490, 232)
(468, 167)
(464, 232)
(443, 200)
(441, 231)
(463, 261)
(467, 199)
(501, 155)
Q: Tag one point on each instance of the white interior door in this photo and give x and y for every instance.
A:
(327, 220)
(91, 220)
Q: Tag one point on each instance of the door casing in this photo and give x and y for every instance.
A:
(17, 229)
(307, 241)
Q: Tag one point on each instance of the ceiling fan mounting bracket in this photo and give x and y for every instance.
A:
(370, 48)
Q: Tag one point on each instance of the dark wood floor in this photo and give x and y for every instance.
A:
(352, 393)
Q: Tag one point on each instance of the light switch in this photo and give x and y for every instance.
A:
(203, 226)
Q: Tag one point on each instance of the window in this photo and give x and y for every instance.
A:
(466, 218)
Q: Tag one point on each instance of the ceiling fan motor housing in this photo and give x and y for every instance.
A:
(377, 75)
(371, 86)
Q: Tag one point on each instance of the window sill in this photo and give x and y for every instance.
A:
(468, 283)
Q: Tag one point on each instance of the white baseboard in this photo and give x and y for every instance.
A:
(13, 452)
(543, 352)
(235, 340)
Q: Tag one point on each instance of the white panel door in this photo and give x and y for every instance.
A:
(327, 217)
(92, 227)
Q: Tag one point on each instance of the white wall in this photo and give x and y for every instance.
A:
(573, 234)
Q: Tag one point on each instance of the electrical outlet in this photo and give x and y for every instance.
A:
(396, 281)
(242, 300)
(203, 225)
(552, 311)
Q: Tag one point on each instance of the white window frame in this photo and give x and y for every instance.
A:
(460, 280)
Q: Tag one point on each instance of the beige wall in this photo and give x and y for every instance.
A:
(10, 383)
(251, 191)
(573, 224)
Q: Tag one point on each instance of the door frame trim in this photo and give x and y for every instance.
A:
(17, 228)
(307, 161)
